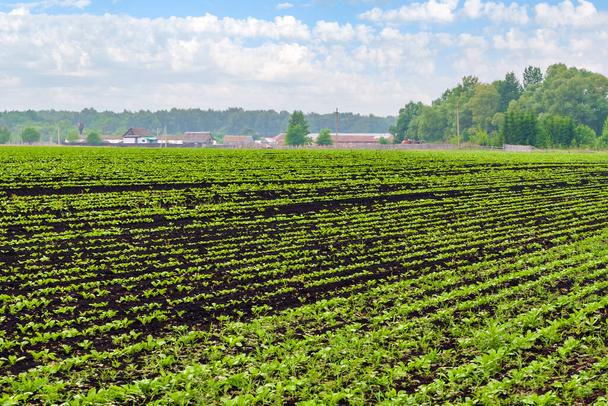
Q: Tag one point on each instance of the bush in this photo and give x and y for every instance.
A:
(324, 137)
(94, 139)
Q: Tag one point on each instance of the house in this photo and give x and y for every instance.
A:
(138, 136)
(188, 139)
(345, 139)
(111, 139)
(197, 138)
(356, 139)
(239, 140)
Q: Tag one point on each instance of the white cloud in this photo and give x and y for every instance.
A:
(496, 11)
(331, 31)
(582, 14)
(441, 11)
(46, 4)
(284, 6)
(121, 62)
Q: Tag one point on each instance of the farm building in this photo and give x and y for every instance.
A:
(188, 139)
(112, 139)
(239, 140)
(138, 136)
(198, 137)
(345, 139)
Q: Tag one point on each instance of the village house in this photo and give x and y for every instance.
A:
(239, 140)
(188, 139)
(138, 136)
(345, 139)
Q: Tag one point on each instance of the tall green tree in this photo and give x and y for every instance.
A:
(430, 125)
(406, 115)
(30, 135)
(532, 76)
(559, 130)
(585, 136)
(484, 104)
(508, 89)
(571, 92)
(5, 135)
(520, 127)
(297, 130)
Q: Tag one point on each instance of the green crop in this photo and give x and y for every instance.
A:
(310, 277)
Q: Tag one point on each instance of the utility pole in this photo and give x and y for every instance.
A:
(458, 122)
(337, 122)
(58, 141)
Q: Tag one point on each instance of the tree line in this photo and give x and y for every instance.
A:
(562, 107)
(260, 123)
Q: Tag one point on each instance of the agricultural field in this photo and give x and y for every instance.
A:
(313, 277)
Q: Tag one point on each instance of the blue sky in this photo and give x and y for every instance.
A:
(362, 55)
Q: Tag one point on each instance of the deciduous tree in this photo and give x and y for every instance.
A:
(324, 137)
(297, 130)
(30, 135)
(406, 115)
(532, 76)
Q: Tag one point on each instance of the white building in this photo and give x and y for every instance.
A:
(138, 136)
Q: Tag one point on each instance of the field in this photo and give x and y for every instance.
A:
(321, 277)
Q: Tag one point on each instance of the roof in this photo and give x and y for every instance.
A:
(238, 139)
(346, 138)
(137, 132)
(354, 139)
(197, 136)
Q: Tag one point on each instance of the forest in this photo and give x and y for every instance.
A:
(564, 107)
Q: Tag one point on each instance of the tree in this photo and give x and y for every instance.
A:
(532, 76)
(430, 125)
(484, 104)
(571, 92)
(5, 135)
(406, 115)
(560, 131)
(383, 141)
(72, 135)
(479, 136)
(520, 127)
(324, 137)
(584, 136)
(297, 130)
(30, 135)
(93, 138)
(509, 89)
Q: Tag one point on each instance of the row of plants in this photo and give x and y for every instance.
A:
(330, 276)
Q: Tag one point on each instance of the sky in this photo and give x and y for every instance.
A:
(363, 56)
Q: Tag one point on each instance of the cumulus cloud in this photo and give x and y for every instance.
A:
(120, 62)
(583, 13)
(284, 6)
(441, 11)
(496, 11)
